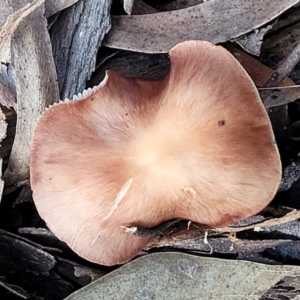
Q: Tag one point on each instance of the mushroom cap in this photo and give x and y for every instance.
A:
(196, 145)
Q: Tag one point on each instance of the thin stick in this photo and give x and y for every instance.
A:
(279, 87)
(284, 69)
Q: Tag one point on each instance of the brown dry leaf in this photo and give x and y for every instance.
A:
(159, 32)
(260, 74)
(177, 276)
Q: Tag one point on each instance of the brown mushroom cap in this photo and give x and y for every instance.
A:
(196, 145)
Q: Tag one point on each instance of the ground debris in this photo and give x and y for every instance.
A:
(44, 58)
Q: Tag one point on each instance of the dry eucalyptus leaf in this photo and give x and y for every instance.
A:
(142, 8)
(54, 6)
(159, 32)
(260, 74)
(165, 276)
(177, 4)
(3, 128)
(128, 6)
(13, 13)
(11, 24)
(8, 7)
(252, 41)
(31, 54)
(283, 42)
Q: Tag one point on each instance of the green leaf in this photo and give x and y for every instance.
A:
(178, 276)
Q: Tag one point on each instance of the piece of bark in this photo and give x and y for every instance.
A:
(281, 43)
(132, 64)
(205, 240)
(285, 253)
(155, 66)
(41, 272)
(279, 115)
(36, 84)
(76, 36)
(193, 230)
(286, 288)
(290, 230)
(41, 235)
(283, 70)
(33, 267)
(46, 239)
(29, 242)
(222, 245)
(78, 273)
(280, 123)
(160, 32)
(287, 19)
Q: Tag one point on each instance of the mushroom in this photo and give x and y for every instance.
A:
(196, 145)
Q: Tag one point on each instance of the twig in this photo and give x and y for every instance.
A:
(296, 86)
(198, 232)
(202, 230)
(283, 70)
(160, 230)
(11, 290)
(289, 217)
